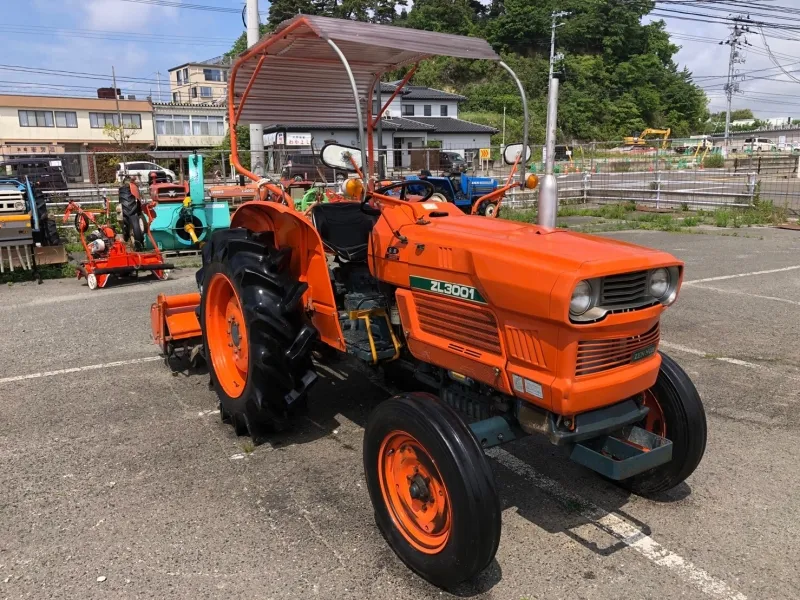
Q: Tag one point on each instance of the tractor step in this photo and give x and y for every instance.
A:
(633, 451)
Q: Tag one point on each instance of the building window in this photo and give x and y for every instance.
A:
(408, 110)
(173, 125)
(66, 119)
(208, 125)
(443, 110)
(194, 92)
(100, 120)
(212, 74)
(206, 92)
(186, 75)
(176, 97)
(427, 110)
(36, 118)
(132, 121)
(179, 75)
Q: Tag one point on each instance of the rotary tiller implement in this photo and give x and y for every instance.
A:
(509, 328)
(108, 256)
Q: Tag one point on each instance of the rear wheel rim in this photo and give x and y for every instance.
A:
(414, 493)
(490, 210)
(227, 335)
(654, 422)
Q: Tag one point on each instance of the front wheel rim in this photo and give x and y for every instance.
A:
(226, 335)
(654, 422)
(414, 493)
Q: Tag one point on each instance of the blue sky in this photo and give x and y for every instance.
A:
(59, 46)
(44, 34)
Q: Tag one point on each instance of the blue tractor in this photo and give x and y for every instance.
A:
(463, 191)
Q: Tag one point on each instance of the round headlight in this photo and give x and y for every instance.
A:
(659, 283)
(19, 206)
(581, 298)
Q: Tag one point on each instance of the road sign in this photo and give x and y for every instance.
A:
(485, 153)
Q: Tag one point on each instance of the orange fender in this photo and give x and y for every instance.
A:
(308, 262)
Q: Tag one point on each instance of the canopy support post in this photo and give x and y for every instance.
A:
(359, 115)
(523, 171)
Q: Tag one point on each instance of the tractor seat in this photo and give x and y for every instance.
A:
(344, 228)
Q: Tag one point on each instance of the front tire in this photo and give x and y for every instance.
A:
(432, 489)
(257, 341)
(676, 412)
(488, 209)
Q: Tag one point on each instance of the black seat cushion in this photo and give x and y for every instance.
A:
(344, 228)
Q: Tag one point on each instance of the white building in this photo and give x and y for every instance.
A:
(189, 126)
(71, 128)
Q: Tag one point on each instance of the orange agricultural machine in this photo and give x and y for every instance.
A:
(107, 256)
(501, 329)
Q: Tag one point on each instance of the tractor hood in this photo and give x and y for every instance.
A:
(514, 264)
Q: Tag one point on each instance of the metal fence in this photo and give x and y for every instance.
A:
(598, 172)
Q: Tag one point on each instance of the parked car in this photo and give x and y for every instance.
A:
(141, 170)
(759, 145)
(451, 162)
(46, 173)
(301, 167)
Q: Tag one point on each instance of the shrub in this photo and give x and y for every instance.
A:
(714, 161)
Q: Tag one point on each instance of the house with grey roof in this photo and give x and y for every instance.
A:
(417, 116)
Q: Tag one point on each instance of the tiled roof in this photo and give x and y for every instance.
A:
(393, 124)
(420, 92)
(450, 125)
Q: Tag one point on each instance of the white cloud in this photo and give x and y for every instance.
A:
(123, 16)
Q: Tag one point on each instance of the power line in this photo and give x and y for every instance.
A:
(175, 4)
(113, 35)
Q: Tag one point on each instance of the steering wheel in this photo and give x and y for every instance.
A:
(407, 183)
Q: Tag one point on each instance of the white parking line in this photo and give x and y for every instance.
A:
(119, 363)
(750, 274)
(622, 530)
(700, 286)
(725, 359)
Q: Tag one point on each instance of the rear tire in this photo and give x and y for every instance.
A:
(136, 227)
(260, 363)
(678, 415)
(456, 535)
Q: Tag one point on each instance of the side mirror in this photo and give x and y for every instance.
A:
(340, 157)
(512, 151)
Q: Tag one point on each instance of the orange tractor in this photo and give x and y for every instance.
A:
(500, 329)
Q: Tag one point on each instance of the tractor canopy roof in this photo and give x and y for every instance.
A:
(299, 77)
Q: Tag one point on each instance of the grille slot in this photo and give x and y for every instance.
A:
(596, 356)
(458, 322)
(625, 290)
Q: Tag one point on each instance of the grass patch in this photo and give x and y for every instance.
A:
(248, 447)
(46, 271)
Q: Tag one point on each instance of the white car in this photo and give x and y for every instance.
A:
(141, 171)
(759, 145)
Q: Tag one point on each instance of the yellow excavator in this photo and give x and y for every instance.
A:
(642, 139)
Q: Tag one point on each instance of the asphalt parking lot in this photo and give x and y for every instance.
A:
(118, 480)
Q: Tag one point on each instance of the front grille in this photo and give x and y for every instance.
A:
(624, 291)
(595, 356)
(458, 322)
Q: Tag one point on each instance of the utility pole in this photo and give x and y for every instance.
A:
(555, 16)
(732, 86)
(256, 131)
(119, 112)
(158, 77)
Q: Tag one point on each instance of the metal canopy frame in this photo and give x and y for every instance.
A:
(291, 76)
